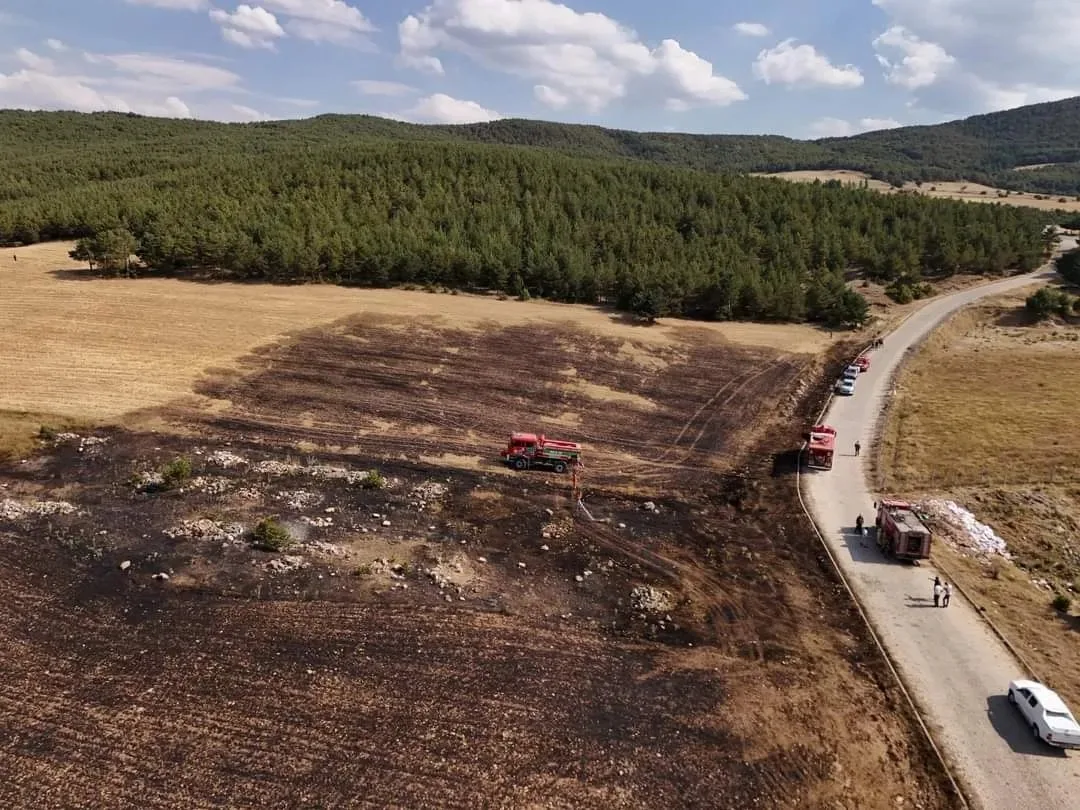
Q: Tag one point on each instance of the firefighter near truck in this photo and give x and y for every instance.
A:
(900, 532)
(531, 451)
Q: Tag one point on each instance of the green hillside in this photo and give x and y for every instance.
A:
(529, 208)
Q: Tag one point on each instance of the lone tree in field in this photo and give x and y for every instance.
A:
(109, 250)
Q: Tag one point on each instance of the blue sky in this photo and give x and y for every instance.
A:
(803, 68)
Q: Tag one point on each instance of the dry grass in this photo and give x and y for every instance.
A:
(985, 414)
(79, 347)
(960, 190)
(987, 400)
(19, 431)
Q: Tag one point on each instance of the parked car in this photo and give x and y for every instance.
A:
(862, 361)
(845, 386)
(851, 372)
(1046, 713)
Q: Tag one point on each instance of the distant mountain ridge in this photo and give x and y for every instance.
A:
(984, 148)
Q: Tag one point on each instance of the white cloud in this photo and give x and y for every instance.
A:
(372, 87)
(248, 26)
(873, 124)
(840, 128)
(802, 65)
(153, 70)
(443, 109)
(1002, 51)
(147, 84)
(323, 20)
(921, 63)
(831, 128)
(298, 102)
(56, 45)
(173, 5)
(751, 29)
(248, 113)
(572, 58)
(33, 61)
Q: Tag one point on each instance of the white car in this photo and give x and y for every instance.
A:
(851, 372)
(845, 386)
(1046, 713)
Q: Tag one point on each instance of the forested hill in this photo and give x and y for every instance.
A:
(310, 201)
(984, 148)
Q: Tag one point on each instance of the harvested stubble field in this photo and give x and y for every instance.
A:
(459, 637)
(945, 189)
(985, 414)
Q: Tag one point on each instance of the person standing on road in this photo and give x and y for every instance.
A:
(938, 590)
(946, 595)
(858, 447)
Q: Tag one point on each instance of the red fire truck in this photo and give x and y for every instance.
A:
(529, 450)
(820, 447)
(900, 532)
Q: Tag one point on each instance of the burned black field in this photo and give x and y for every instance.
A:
(443, 632)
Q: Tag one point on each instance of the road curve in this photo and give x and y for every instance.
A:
(955, 668)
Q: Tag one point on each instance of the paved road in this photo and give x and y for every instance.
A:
(956, 669)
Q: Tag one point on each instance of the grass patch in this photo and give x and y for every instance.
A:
(22, 431)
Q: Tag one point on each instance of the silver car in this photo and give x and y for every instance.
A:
(845, 386)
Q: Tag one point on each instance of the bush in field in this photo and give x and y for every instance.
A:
(373, 480)
(1047, 301)
(176, 473)
(1061, 602)
(271, 535)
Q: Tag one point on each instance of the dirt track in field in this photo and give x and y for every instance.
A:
(460, 638)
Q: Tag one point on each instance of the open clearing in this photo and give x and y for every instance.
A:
(949, 190)
(984, 414)
(460, 637)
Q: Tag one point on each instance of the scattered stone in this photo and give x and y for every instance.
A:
(318, 522)
(549, 512)
(299, 499)
(326, 548)
(162, 576)
(206, 529)
(481, 559)
(276, 468)
(386, 523)
(652, 600)
(15, 510)
(211, 485)
(285, 563)
(622, 525)
(649, 506)
(125, 565)
(545, 547)
(223, 458)
(579, 578)
(249, 494)
(521, 565)
(430, 491)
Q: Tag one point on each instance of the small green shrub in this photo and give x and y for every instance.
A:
(373, 480)
(900, 293)
(46, 433)
(271, 535)
(1061, 602)
(176, 473)
(364, 570)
